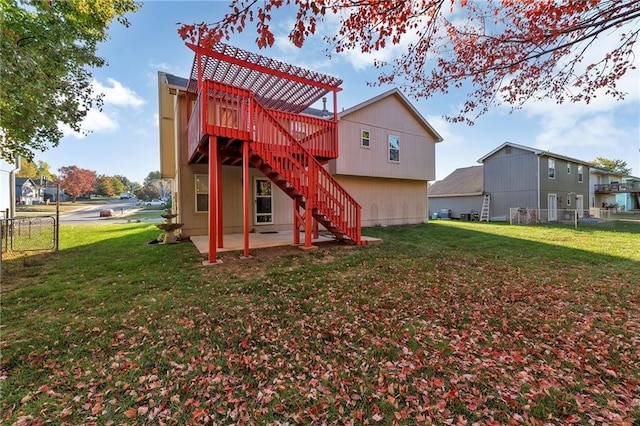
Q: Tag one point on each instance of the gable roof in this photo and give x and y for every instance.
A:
(398, 94)
(22, 180)
(174, 80)
(466, 181)
(536, 151)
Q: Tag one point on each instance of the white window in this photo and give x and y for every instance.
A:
(580, 174)
(202, 193)
(365, 140)
(552, 168)
(568, 200)
(568, 168)
(394, 149)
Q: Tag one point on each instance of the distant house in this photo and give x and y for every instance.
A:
(461, 192)
(50, 194)
(27, 192)
(609, 188)
(519, 176)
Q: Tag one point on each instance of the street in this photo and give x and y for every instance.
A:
(92, 214)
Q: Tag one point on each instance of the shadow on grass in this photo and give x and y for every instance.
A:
(119, 309)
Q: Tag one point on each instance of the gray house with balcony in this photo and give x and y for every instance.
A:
(610, 188)
(519, 176)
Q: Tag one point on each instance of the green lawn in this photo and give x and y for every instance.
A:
(446, 322)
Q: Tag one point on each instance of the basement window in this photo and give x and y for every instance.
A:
(202, 193)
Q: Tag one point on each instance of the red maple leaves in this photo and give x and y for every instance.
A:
(500, 51)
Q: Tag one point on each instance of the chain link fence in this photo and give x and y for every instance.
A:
(533, 216)
(22, 236)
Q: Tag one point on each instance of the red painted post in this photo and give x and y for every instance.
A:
(245, 199)
(296, 222)
(220, 197)
(213, 198)
(309, 205)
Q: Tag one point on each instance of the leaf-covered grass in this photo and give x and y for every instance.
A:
(443, 323)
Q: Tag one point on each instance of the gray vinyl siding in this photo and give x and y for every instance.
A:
(564, 185)
(457, 205)
(510, 179)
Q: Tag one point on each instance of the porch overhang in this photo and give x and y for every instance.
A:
(275, 84)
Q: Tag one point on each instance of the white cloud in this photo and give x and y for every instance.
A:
(182, 70)
(601, 122)
(118, 94)
(444, 128)
(94, 122)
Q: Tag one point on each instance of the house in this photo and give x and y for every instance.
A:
(246, 152)
(609, 188)
(386, 156)
(27, 192)
(519, 176)
(461, 192)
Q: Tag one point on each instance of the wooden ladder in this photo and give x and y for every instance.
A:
(484, 213)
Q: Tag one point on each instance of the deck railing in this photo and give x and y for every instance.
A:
(301, 170)
(226, 112)
(195, 130)
(616, 187)
(317, 135)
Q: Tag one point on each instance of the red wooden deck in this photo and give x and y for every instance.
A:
(249, 110)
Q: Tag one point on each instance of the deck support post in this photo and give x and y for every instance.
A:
(219, 193)
(213, 199)
(296, 221)
(245, 196)
(309, 206)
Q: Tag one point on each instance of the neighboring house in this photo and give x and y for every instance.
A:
(253, 156)
(27, 192)
(609, 188)
(461, 192)
(519, 176)
(50, 194)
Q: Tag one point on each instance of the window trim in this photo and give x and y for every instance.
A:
(568, 168)
(389, 149)
(362, 139)
(580, 173)
(551, 168)
(197, 176)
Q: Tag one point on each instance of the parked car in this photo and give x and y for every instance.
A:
(106, 213)
(155, 202)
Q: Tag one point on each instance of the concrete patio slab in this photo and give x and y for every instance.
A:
(235, 242)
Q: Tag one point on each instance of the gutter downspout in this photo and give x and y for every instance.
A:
(12, 189)
(538, 184)
(12, 201)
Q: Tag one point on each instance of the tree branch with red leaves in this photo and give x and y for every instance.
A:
(500, 51)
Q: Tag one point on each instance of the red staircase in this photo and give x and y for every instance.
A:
(284, 160)
(233, 114)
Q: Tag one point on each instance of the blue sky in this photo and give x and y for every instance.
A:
(124, 138)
